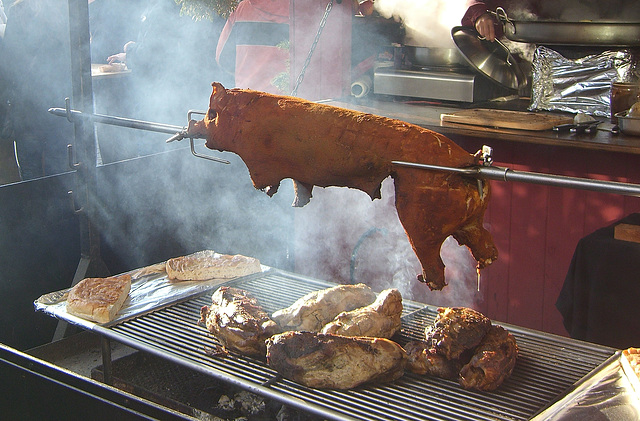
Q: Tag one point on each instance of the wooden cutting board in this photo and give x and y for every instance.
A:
(506, 119)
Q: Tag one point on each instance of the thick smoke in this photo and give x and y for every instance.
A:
(428, 23)
(344, 236)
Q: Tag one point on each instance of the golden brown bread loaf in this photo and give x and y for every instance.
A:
(99, 299)
(207, 264)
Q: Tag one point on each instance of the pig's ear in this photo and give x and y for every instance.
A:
(216, 99)
(218, 92)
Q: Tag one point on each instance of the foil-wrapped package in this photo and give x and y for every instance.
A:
(576, 85)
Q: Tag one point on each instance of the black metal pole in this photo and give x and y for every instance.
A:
(84, 146)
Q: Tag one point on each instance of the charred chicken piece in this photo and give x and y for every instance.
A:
(314, 310)
(423, 360)
(455, 330)
(236, 319)
(492, 362)
(333, 361)
(332, 146)
(380, 319)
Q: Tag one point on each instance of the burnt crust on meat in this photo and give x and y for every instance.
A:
(455, 330)
(237, 320)
(492, 362)
(421, 359)
(463, 345)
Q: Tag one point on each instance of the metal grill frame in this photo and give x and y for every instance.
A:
(548, 366)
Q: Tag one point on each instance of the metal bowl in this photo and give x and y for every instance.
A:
(628, 124)
(434, 57)
(493, 59)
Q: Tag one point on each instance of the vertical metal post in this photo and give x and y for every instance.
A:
(84, 147)
(85, 141)
(107, 367)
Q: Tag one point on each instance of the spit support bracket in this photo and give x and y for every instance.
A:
(484, 170)
(177, 132)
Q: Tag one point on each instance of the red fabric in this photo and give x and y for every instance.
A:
(477, 8)
(257, 65)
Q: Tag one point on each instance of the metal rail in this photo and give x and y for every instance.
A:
(74, 115)
(178, 132)
(506, 174)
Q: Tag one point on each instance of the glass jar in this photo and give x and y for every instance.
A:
(623, 96)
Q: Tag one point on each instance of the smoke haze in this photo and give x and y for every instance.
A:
(343, 229)
(428, 23)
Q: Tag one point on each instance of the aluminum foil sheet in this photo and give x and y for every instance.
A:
(576, 85)
(606, 394)
(148, 292)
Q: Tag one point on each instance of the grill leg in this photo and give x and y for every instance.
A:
(107, 370)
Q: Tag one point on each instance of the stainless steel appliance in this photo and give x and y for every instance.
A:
(441, 77)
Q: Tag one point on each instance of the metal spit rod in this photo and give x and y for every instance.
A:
(480, 172)
(178, 132)
(506, 174)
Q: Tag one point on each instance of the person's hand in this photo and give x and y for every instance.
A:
(485, 27)
(117, 58)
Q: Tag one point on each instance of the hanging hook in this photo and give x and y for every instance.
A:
(73, 203)
(72, 164)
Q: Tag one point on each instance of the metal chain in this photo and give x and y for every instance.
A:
(323, 22)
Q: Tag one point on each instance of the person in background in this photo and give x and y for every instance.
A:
(171, 61)
(36, 72)
(253, 45)
(112, 23)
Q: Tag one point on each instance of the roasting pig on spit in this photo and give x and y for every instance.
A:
(281, 137)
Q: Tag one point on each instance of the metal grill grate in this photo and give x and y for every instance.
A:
(547, 366)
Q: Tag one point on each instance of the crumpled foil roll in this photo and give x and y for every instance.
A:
(574, 85)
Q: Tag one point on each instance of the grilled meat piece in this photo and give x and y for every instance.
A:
(332, 146)
(333, 361)
(314, 310)
(380, 319)
(455, 330)
(492, 362)
(423, 360)
(236, 319)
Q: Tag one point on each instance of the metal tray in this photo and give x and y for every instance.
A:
(628, 124)
(583, 33)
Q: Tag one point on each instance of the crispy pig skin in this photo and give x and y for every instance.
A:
(281, 137)
(237, 320)
(329, 361)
